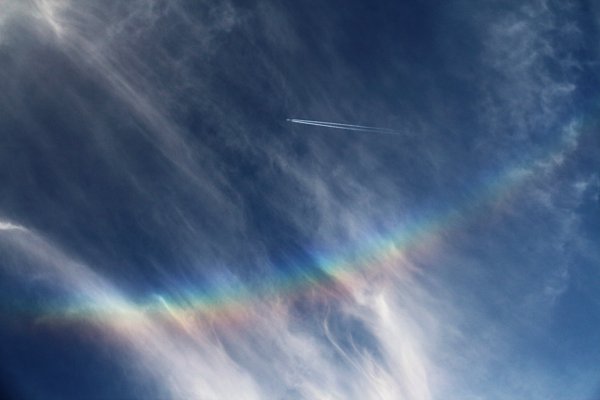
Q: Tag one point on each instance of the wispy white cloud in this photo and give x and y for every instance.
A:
(187, 367)
(9, 226)
(272, 356)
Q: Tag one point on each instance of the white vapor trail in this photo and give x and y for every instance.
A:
(349, 127)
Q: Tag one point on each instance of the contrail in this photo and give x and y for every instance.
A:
(337, 125)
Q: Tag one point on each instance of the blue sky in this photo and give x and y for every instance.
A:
(166, 232)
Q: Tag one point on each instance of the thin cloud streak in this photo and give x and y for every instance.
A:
(9, 226)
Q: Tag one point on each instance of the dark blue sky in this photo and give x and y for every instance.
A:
(165, 232)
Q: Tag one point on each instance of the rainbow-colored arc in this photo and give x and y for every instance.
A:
(235, 301)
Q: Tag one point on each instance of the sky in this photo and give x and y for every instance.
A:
(300, 199)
